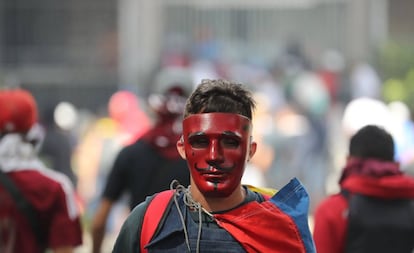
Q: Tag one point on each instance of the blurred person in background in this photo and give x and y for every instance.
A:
(126, 109)
(374, 210)
(50, 216)
(149, 164)
(57, 148)
(356, 114)
(365, 81)
(330, 71)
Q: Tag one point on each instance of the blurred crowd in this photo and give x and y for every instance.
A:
(305, 115)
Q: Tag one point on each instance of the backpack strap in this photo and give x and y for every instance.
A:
(153, 215)
(24, 206)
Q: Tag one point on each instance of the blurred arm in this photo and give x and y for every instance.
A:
(99, 224)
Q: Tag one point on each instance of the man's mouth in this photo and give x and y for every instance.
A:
(214, 170)
(215, 178)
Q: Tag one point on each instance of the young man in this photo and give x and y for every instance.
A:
(216, 213)
(50, 194)
(372, 182)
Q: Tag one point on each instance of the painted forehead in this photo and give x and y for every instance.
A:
(217, 123)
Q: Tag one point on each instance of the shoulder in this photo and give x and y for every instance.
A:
(138, 147)
(129, 153)
(52, 196)
(334, 199)
(130, 148)
(128, 239)
(46, 179)
(332, 206)
(134, 219)
(252, 195)
(48, 188)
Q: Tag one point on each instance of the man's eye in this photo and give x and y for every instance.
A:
(199, 142)
(230, 143)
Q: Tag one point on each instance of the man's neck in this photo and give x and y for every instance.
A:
(218, 204)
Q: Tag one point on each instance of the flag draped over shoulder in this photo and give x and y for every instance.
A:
(279, 224)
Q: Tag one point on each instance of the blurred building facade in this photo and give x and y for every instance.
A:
(78, 50)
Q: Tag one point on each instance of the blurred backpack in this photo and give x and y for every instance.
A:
(379, 225)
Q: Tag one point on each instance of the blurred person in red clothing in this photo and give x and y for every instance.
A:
(370, 171)
(48, 192)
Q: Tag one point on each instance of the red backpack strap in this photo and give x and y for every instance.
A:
(153, 215)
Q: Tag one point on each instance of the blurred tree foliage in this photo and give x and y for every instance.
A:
(396, 65)
(395, 59)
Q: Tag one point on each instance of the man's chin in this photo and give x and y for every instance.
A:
(216, 193)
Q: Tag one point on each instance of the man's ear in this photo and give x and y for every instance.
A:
(180, 147)
(252, 150)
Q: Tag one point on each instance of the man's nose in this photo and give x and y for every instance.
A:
(215, 151)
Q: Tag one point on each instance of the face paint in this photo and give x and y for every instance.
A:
(216, 147)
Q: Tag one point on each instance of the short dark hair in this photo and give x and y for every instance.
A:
(220, 96)
(372, 142)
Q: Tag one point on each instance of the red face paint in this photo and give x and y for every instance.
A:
(216, 147)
